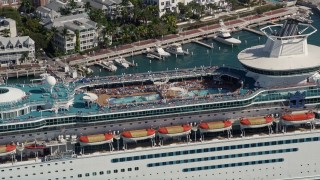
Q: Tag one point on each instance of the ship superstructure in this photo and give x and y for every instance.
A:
(184, 124)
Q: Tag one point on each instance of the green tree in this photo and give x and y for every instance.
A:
(26, 6)
(5, 32)
(77, 47)
(87, 6)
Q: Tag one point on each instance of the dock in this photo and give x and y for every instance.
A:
(153, 56)
(203, 44)
(253, 31)
(105, 66)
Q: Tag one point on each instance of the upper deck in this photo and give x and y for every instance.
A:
(140, 95)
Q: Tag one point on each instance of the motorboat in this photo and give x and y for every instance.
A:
(224, 36)
(162, 52)
(122, 62)
(176, 48)
(109, 65)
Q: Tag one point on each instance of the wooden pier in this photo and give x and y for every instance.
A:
(253, 31)
(203, 44)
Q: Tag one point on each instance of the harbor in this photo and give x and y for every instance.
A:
(220, 55)
(183, 37)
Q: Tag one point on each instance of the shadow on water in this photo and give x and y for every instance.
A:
(36, 91)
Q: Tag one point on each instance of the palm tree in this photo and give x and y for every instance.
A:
(171, 21)
(87, 6)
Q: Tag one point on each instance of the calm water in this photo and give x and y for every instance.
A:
(221, 55)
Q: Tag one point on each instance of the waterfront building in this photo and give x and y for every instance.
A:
(8, 27)
(50, 11)
(66, 38)
(16, 50)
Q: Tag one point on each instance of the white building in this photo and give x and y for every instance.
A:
(172, 5)
(66, 36)
(111, 8)
(10, 24)
(15, 50)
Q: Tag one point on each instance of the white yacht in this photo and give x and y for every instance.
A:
(176, 48)
(224, 36)
(109, 65)
(122, 62)
(161, 52)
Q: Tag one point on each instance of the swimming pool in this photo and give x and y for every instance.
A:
(134, 99)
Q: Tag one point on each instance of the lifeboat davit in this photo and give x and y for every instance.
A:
(7, 149)
(298, 118)
(174, 131)
(256, 122)
(136, 135)
(215, 126)
(96, 139)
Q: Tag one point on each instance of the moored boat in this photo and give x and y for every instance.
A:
(215, 126)
(136, 135)
(174, 131)
(7, 149)
(298, 118)
(176, 48)
(96, 139)
(224, 36)
(256, 122)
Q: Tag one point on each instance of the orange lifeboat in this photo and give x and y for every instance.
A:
(215, 126)
(173, 131)
(256, 122)
(7, 149)
(136, 135)
(96, 139)
(298, 118)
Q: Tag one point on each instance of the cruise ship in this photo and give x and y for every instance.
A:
(200, 123)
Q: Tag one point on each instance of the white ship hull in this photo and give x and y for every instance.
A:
(7, 153)
(255, 126)
(95, 143)
(230, 41)
(281, 156)
(138, 138)
(214, 130)
(174, 135)
(297, 122)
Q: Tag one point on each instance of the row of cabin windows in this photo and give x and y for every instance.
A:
(41, 165)
(233, 165)
(222, 157)
(107, 172)
(213, 149)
